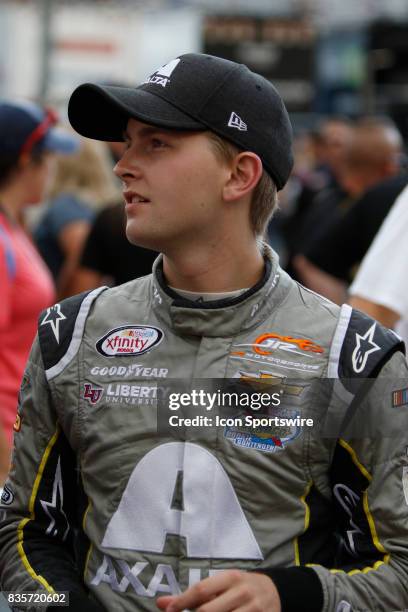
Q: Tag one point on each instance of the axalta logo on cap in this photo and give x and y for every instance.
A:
(163, 74)
(129, 340)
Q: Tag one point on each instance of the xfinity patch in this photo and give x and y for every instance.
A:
(129, 340)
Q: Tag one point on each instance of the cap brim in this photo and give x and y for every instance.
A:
(102, 112)
(58, 141)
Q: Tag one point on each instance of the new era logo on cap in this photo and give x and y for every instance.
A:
(236, 122)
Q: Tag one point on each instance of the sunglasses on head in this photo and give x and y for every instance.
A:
(51, 118)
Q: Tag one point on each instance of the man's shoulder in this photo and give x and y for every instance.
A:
(61, 327)
(358, 345)
(137, 289)
(315, 304)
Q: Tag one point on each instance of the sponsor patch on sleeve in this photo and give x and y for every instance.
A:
(400, 398)
(7, 496)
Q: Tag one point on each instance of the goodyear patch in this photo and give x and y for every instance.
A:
(400, 398)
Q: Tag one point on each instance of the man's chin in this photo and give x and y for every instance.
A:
(143, 240)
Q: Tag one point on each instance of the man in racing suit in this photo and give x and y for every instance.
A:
(103, 500)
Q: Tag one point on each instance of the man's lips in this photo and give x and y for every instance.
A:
(131, 197)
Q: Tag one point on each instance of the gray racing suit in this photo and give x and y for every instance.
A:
(104, 502)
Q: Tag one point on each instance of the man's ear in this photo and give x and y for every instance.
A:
(246, 170)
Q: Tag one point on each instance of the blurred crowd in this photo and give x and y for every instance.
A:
(340, 229)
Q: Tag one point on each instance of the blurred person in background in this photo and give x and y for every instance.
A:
(335, 258)
(373, 156)
(304, 164)
(28, 143)
(319, 189)
(380, 287)
(108, 258)
(96, 265)
(83, 183)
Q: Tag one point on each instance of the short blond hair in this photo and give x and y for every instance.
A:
(264, 198)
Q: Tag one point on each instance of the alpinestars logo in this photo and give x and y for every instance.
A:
(163, 74)
(53, 318)
(343, 606)
(365, 345)
(54, 509)
(348, 500)
(7, 496)
(405, 483)
(236, 122)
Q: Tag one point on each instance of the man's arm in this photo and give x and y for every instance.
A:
(90, 271)
(71, 239)
(39, 530)
(84, 279)
(319, 281)
(384, 315)
(369, 484)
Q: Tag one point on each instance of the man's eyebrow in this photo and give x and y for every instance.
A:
(148, 130)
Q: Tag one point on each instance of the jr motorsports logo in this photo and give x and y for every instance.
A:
(129, 340)
(281, 350)
(265, 343)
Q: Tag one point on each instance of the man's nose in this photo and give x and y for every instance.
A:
(127, 167)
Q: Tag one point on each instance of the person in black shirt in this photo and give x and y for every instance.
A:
(108, 257)
(343, 247)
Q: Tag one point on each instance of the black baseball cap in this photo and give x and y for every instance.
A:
(194, 92)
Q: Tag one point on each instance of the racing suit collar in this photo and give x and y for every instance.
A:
(220, 318)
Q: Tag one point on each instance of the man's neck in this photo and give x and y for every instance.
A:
(221, 270)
